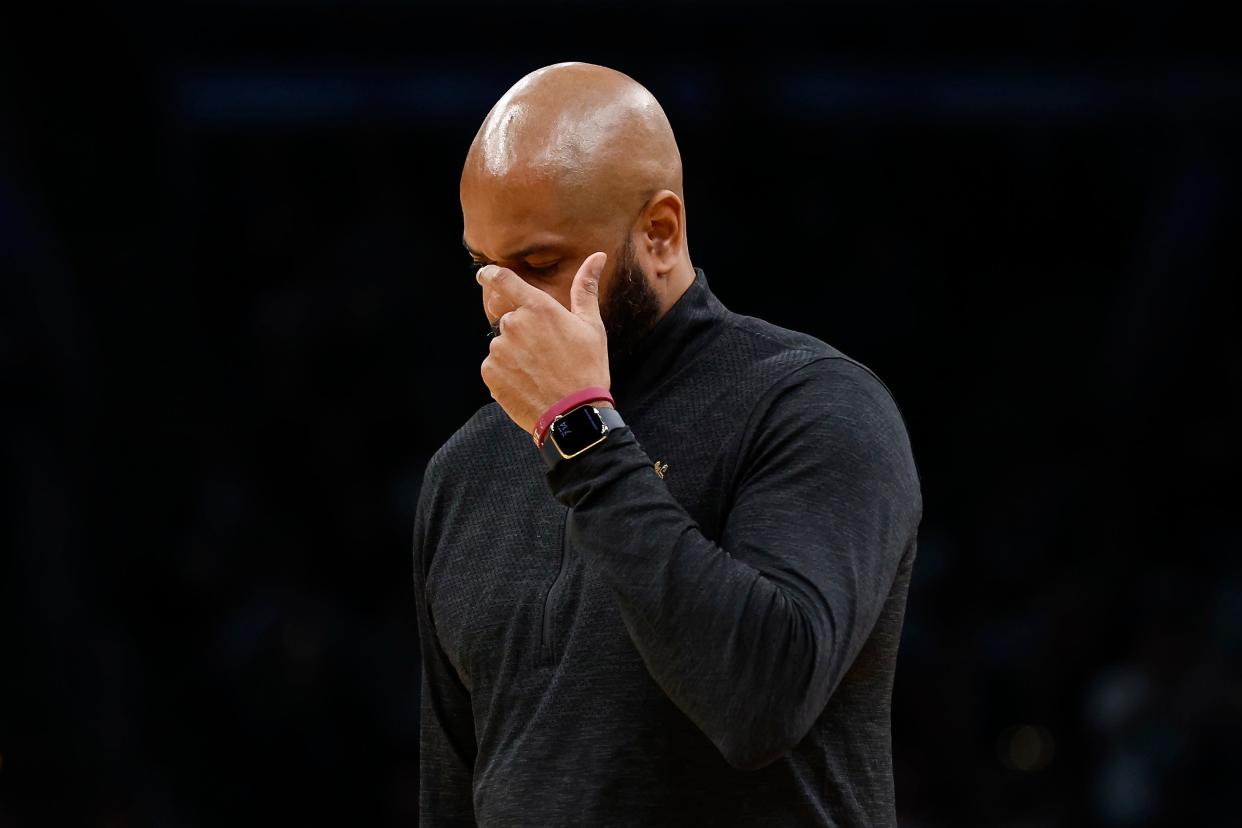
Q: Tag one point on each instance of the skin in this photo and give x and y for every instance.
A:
(575, 158)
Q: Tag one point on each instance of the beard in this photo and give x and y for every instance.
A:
(631, 308)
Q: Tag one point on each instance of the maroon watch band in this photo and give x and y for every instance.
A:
(585, 395)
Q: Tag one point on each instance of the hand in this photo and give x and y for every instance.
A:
(494, 305)
(544, 351)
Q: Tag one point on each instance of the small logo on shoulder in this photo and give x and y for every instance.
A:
(660, 469)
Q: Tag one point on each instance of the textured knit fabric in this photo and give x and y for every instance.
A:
(605, 646)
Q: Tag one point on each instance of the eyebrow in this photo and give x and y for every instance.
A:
(528, 250)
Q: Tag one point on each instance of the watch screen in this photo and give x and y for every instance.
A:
(577, 430)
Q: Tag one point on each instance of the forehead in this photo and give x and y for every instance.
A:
(501, 218)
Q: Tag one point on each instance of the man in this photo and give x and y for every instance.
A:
(679, 603)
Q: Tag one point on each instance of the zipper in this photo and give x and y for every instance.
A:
(545, 642)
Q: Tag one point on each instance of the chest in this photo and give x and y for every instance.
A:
(510, 595)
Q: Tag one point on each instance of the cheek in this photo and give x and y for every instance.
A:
(557, 288)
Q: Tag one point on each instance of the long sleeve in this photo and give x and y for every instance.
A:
(749, 634)
(446, 725)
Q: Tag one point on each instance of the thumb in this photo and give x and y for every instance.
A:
(584, 293)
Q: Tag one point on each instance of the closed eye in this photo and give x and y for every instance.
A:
(541, 270)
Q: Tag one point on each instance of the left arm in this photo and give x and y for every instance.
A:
(749, 636)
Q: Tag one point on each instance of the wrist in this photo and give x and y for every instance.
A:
(594, 395)
(579, 430)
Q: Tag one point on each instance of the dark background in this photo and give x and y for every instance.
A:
(235, 320)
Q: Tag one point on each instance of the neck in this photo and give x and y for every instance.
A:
(673, 284)
(692, 321)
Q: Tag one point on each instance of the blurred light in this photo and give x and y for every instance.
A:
(1027, 748)
(1116, 696)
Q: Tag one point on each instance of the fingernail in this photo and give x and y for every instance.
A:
(599, 265)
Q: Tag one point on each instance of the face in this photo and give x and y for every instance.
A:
(630, 308)
(524, 226)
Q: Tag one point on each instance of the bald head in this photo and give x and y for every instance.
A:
(577, 158)
(593, 135)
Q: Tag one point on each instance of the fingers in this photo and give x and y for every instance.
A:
(510, 286)
(495, 305)
(584, 293)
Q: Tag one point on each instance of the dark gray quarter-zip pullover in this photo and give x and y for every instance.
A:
(605, 646)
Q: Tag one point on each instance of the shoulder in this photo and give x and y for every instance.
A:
(483, 429)
(467, 467)
(767, 336)
(773, 356)
(470, 454)
(473, 447)
(803, 365)
(835, 387)
(769, 341)
(820, 402)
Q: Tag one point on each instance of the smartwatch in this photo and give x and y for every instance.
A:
(577, 431)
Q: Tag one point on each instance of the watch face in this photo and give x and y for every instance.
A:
(576, 431)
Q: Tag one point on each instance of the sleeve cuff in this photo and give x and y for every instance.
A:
(572, 480)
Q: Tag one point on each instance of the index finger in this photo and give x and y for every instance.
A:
(494, 305)
(509, 285)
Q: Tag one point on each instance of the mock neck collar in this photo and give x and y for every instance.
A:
(692, 321)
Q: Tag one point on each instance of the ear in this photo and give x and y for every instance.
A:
(662, 226)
